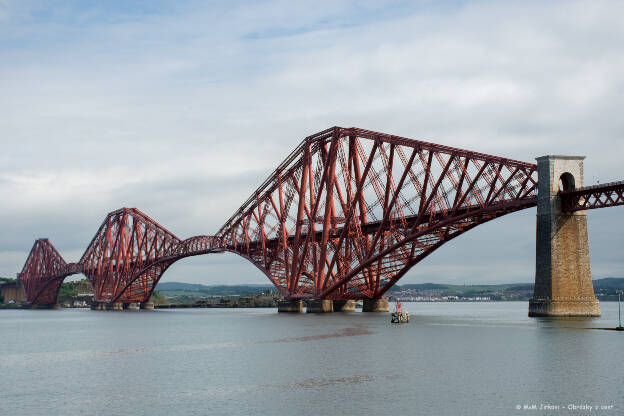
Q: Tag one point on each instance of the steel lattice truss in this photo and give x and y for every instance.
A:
(350, 210)
(123, 263)
(591, 197)
(345, 216)
(44, 272)
(125, 243)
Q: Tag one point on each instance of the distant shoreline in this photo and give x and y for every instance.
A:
(78, 293)
(14, 306)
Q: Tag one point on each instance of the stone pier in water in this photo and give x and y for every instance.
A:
(563, 283)
(290, 306)
(375, 305)
(328, 305)
(344, 306)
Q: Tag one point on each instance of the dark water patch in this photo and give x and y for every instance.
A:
(323, 382)
(345, 332)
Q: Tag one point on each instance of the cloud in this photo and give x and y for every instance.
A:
(182, 111)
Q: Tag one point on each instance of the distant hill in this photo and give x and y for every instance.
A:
(606, 284)
(423, 286)
(213, 290)
(609, 283)
(447, 288)
(604, 289)
(179, 286)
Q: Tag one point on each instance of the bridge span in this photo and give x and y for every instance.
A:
(344, 217)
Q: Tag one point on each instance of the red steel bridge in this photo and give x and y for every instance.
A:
(344, 216)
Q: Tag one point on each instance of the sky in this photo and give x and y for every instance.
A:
(182, 108)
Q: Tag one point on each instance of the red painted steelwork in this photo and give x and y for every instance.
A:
(343, 217)
(350, 210)
(123, 263)
(44, 272)
(591, 197)
(129, 254)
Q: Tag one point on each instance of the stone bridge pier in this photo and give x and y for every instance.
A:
(563, 283)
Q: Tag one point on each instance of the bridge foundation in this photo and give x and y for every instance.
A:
(291, 306)
(114, 306)
(146, 305)
(46, 306)
(320, 306)
(375, 305)
(344, 306)
(563, 284)
(130, 305)
(98, 306)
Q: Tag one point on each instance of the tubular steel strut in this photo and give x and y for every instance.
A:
(344, 216)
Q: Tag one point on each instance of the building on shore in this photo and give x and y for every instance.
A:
(12, 292)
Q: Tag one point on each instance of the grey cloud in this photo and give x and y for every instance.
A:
(183, 113)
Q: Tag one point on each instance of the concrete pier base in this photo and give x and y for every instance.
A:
(130, 305)
(320, 306)
(375, 305)
(344, 306)
(564, 308)
(47, 306)
(98, 306)
(114, 306)
(147, 305)
(290, 306)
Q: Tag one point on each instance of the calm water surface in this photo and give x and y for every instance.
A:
(451, 359)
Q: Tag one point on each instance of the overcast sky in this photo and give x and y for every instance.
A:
(182, 109)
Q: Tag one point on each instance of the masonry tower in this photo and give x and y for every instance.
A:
(563, 284)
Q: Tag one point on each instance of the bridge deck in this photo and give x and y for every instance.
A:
(591, 197)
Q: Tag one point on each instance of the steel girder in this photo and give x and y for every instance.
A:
(592, 197)
(43, 273)
(123, 262)
(343, 217)
(351, 210)
(125, 243)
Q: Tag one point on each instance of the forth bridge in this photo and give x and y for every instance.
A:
(345, 216)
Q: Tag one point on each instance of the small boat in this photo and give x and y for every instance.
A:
(398, 316)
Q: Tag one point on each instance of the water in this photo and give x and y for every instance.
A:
(451, 359)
